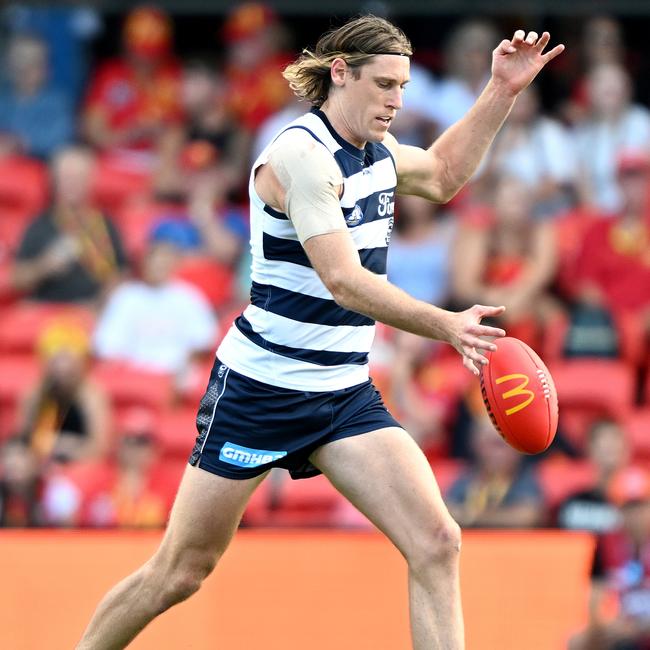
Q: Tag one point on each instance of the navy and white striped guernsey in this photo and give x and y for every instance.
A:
(293, 334)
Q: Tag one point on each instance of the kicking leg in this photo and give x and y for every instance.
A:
(386, 476)
(204, 518)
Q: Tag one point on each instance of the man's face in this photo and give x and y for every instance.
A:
(372, 95)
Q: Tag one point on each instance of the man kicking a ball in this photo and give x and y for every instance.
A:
(290, 385)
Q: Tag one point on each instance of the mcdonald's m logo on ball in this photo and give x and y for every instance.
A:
(518, 391)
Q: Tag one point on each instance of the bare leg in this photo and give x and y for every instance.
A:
(386, 476)
(206, 514)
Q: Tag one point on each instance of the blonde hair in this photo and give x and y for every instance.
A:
(356, 43)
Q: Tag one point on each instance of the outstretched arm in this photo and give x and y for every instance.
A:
(438, 172)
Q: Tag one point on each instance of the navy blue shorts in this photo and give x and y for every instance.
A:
(247, 427)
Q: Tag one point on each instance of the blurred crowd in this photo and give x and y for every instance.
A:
(124, 256)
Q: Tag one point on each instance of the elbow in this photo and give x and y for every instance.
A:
(341, 286)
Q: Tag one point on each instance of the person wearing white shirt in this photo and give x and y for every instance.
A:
(156, 323)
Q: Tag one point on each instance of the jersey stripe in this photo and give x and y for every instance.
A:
(294, 334)
(315, 357)
(312, 310)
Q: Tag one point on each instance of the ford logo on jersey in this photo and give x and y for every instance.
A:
(247, 457)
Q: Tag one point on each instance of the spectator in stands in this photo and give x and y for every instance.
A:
(133, 106)
(498, 491)
(156, 322)
(256, 54)
(538, 151)
(35, 117)
(212, 133)
(420, 250)
(129, 489)
(416, 123)
(67, 29)
(468, 55)
(20, 485)
(614, 124)
(613, 270)
(621, 571)
(602, 43)
(506, 257)
(72, 253)
(591, 509)
(66, 416)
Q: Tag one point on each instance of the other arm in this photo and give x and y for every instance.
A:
(440, 171)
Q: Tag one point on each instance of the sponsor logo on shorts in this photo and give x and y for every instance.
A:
(247, 457)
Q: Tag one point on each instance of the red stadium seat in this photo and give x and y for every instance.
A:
(177, 431)
(135, 219)
(23, 187)
(22, 323)
(600, 384)
(213, 280)
(13, 224)
(637, 428)
(130, 386)
(119, 180)
(18, 375)
(592, 388)
(560, 477)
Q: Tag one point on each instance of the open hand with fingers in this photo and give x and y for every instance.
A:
(516, 62)
(465, 332)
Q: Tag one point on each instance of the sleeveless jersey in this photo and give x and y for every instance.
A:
(293, 334)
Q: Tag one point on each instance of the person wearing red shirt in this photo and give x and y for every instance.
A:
(255, 60)
(614, 264)
(133, 109)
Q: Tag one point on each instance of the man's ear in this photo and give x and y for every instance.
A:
(339, 71)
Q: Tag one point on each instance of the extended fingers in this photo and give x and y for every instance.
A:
(485, 330)
(558, 49)
(488, 310)
(469, 340)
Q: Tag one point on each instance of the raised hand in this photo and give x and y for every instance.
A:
(516, 62)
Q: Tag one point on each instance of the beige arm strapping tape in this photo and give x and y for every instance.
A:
(311, 179)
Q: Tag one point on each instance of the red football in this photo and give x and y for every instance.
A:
(520, 396)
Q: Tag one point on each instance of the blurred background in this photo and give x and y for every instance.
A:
(126, 138)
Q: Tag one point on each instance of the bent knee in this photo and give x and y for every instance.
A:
(183, 578)
(435, 546)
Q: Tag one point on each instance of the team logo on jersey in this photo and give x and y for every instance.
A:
(247, 457)
(386, 204)
(355, 216)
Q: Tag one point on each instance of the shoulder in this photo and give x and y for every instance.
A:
(297, 155)
(390, 142)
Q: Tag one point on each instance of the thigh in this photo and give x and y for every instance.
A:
(206, 513)
(387, 477)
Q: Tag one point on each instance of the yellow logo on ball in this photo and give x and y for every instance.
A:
(517, 390)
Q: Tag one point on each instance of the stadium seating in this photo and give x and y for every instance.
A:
(589, 388)
(637, 428)
(21, 324)
(129, 386)
(18, 375)
(560, 477)
(118, 181)
(23, 187)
